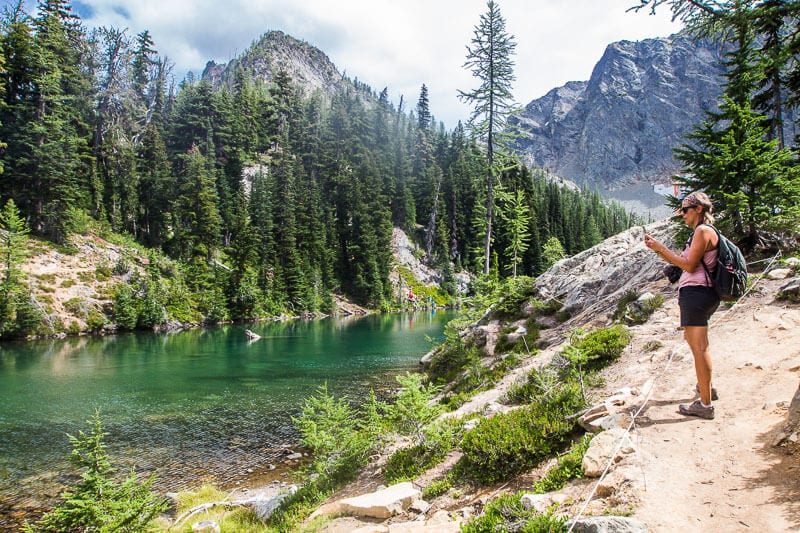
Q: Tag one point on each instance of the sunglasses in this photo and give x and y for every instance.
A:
(685, 209)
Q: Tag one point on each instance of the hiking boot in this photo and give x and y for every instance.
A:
(714, 395)
(697, 409)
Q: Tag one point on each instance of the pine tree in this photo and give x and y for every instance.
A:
(98, 502)
(13, 249)
(514, 213)
(490, 60)
(196, 219)
(729, 156)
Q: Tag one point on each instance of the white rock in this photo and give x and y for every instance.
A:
(779, 273)
(537, 502)
(383, 503)
(420, 506)
(206, 526)
(614, 442)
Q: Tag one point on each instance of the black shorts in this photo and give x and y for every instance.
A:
(697, 304)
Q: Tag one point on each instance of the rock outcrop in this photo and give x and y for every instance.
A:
(309, 68)
(591, 283)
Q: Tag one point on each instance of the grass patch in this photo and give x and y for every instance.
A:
(421, 291)
(436, 488)
(230, 519)
(506, 513)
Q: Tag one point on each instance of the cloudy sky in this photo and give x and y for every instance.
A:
(398, 44)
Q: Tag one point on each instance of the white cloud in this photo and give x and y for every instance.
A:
(386, 43)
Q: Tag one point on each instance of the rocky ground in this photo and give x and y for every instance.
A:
(738, 472)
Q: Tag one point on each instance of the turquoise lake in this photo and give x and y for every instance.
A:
(195, 406)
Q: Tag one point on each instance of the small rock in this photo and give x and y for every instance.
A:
(467, 512)
(294, 456)
(537, 502)
(608, 524)
(779, 273)
(383, 503)
(206, 526)
(471, 424)
(792, 262)
(614, 441)
(420, 506)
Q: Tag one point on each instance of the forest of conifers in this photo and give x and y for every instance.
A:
(268, 199)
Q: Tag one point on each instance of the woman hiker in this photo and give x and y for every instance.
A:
(697, 298)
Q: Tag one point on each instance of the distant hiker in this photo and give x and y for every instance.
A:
(697, 298)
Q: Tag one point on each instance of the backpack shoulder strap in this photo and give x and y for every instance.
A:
(702, 258)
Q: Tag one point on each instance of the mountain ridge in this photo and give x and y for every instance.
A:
(619, 128)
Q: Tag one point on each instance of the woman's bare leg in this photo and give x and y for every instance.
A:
(697, 338)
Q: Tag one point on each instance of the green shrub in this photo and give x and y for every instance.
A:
(450, 359)
(413, 407)
(407, 463)
(76, 306)
(67, 283)
(537, 385)
(569, 467)
(98, 502)
(436, 488)
(631, 311)
(506, 514)
(603, 346)
(95, 320)
(507, 444)
(102, 272)
(511, 294)
(330, 428)
(125, 314)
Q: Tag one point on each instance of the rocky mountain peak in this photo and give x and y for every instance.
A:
(619, 128)
(310, 69)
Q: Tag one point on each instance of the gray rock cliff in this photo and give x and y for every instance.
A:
(619, 128)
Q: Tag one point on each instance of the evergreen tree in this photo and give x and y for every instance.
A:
(98, 502)
(196, 220)
(13, 249)
(552, 252)
(48, 94)
(490, 60)
(730, 157)
(514, 213)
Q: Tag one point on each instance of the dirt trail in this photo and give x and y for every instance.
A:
(724, 474)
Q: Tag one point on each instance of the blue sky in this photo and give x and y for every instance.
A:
(398, 44)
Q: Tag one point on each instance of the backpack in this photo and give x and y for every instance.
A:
(730, 276)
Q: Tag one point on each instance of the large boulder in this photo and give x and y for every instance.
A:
(382, 504)
(589, 284)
